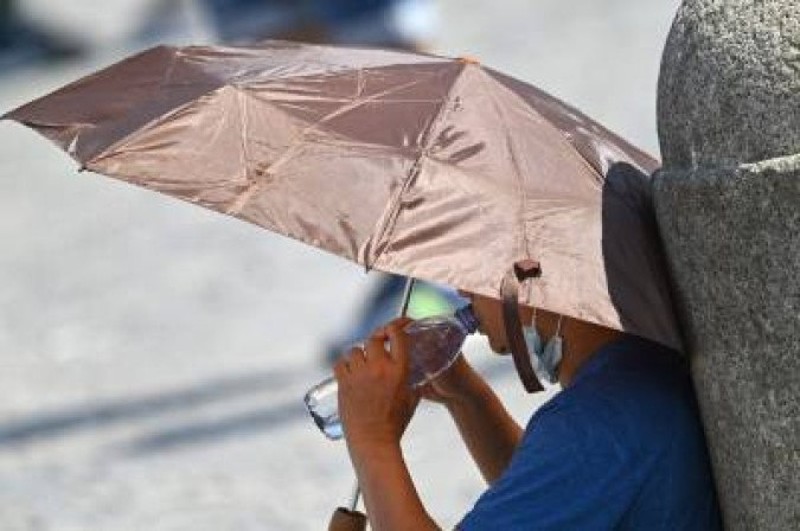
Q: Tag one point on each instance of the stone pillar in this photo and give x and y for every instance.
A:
(728, 207)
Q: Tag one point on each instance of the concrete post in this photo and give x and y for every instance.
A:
(728, 207)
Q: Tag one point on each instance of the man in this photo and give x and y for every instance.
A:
(621, 447)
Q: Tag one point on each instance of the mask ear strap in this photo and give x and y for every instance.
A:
(509, 289)
(558, 326)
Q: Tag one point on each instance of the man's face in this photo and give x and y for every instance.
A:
(490, 316)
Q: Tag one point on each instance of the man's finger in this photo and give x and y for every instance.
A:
(398, 341)
(355, 357)
(340, 368)
(375, 346)
(401, 321)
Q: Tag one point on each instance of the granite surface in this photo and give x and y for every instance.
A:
(733, 238)
(727, 207)
(729, 89)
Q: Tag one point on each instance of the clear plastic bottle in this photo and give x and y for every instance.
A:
(435, 343)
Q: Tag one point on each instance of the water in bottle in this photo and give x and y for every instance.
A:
(434, 344)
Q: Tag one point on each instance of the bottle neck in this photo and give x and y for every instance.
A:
(466, 317)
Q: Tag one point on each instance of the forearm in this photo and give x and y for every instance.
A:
(488, 430)
(390, 497)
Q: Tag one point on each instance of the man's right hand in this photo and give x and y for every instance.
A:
(489, 432)
(454, 385)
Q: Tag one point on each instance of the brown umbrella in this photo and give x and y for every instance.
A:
(429, 167)
(425, 166)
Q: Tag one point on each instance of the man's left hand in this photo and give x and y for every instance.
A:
(375, 400)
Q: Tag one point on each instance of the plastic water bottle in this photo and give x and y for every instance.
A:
(434, 344)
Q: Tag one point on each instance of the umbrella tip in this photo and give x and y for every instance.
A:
(469, 60)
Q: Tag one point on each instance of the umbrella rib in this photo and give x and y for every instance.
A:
(386, 225)
(112, 149)
(562, 136)
(522, 237)
(255, 186)
(109, 150)
(170, 69)
(241, 103)
(354, 104)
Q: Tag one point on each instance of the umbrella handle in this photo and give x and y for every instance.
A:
(351, 517)
(346, 520)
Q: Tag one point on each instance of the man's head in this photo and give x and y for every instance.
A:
(581, 339)
(489, 312)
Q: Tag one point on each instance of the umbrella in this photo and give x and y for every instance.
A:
(429, 167)
(424, 166)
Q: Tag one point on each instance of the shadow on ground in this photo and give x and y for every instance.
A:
(72, 420)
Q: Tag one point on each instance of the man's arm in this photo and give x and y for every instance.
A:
(391, 500)
(375, 405)
(488, 430)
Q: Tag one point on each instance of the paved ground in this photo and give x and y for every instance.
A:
(153, 355)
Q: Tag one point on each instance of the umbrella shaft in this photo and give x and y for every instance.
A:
(403, 309)
(354, 499)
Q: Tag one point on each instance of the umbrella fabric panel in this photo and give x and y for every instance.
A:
(235, 144)
(435, 235)
(88, 116)
(392, 106)
(535, 194)
(363, 134)
(101, 110)
(197, 152)
(268, 123)
(636, 271)
(599, 146)
(309, 197)
(228, 154)
(388, 106)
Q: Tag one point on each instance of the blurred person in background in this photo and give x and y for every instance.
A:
(247, 21)
(382, 303)
(407, 24)
(22, 43)
(40, 29)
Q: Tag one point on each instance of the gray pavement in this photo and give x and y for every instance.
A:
(153, 355)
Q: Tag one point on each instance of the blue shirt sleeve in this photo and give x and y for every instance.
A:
(570, 472)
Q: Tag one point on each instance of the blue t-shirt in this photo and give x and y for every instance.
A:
(621, 448)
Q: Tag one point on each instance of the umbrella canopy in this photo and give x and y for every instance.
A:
(425, 166)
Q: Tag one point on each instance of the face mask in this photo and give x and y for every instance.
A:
(544, 358)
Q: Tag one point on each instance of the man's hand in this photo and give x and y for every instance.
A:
(490, 433)
(456, 384)
(375, 406)
(375, 401)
